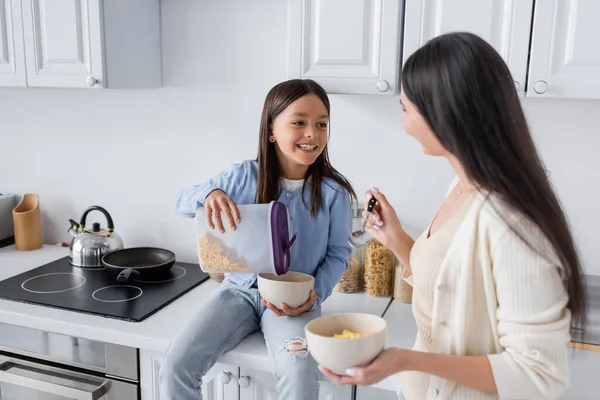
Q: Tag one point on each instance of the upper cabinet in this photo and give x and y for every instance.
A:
(565, 53)
(505, 24)
(12, 58)
(348, 46)
(89, 43)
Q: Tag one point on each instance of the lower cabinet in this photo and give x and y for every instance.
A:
(369, 393)
(227, 382)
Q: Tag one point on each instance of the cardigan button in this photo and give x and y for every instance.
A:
(440, 286)
(435, 392)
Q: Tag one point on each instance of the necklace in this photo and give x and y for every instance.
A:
(467, 190)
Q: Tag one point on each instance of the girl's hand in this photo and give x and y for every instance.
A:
(389, 362)
(286, 311)
(383, 224)
(218, 202)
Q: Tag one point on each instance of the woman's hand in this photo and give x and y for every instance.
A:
(389, 362)
(383, 224)
(286, 311)
(218, 202)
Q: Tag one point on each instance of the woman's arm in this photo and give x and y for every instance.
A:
(472, 371)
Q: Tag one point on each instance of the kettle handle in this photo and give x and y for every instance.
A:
(109, 221)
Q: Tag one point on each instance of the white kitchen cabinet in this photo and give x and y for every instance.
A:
(505, 24)
(565, 53)
(12, 56)
(259, 385)
(220, 383)
(348, 46)
(92, 43)
(369, 393)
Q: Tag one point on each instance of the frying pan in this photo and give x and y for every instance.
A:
(143, 262)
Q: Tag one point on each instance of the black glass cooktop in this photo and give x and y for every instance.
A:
(91, 290)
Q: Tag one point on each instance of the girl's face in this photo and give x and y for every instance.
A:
(416, 126)
(300, 135)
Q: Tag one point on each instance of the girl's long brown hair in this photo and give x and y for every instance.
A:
(465, 92)
(269, 168)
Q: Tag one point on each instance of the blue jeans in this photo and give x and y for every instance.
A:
(227, 317)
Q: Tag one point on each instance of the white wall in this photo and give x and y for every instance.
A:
(131, 151)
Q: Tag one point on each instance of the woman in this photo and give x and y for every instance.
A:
(496, 277)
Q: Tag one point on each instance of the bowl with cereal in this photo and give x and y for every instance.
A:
(292, 288)
(342, 341)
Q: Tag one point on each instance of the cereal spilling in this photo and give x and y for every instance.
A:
(215, 257)
(347, 334)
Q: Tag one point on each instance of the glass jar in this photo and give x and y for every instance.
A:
(402, 290)
(379, 269)
(352, 279)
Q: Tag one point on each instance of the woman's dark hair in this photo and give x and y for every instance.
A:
(269, 169)
(465, 92)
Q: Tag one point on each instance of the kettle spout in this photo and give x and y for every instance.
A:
(74, 228)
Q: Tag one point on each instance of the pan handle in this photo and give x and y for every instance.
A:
(126, 274)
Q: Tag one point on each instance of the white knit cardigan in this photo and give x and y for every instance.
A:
(499, 296)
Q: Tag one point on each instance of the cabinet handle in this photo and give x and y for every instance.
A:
(91, 81)
(540, 87)
(225, 377)
(244, 382)
(383, 86)
(517, 86)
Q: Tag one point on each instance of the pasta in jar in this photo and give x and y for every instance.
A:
(379, 269)
(216, 257)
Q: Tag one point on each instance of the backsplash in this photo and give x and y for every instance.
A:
(130, 151)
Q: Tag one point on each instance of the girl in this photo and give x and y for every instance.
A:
(292, 167)
(496, 276)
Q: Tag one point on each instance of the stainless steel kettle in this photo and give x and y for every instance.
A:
(89, 246)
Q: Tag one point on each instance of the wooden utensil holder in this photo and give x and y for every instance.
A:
(28, 223)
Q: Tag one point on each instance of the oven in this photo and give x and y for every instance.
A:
(39, 365)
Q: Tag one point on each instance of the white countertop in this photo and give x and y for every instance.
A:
(156, 332)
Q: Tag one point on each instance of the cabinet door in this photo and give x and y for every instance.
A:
(259, 385)
(331, 391)
(565, 53)
(63, 42)
(220, 383)
(505, 24)
(348, 46)
(12, 57)
(369, 393)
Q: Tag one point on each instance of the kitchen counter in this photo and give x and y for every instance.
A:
(156, 332)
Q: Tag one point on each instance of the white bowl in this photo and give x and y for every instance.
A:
(292, 288)
(339, 354)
